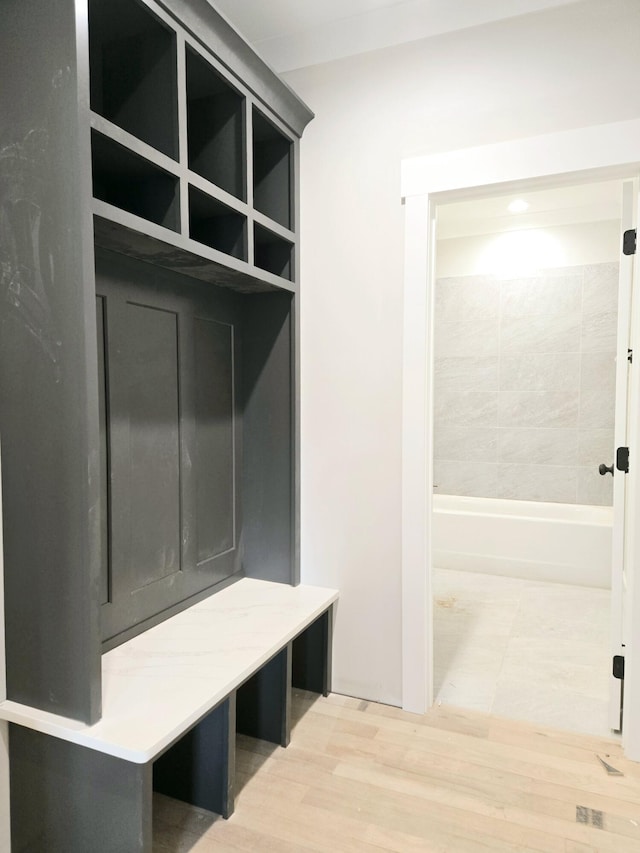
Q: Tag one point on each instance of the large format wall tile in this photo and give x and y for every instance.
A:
(547, 371)
(555, 483)
(596, 412)
(462, 299)
(466, 373)
(476, 337)
(599, 332)
(595, 446)
(594, 488)
(466, 408)
(525, 384)
(553, 333)
(470, 479)
(597, 390)
(600, 289)
(538, 446)
(539, 409)
(470, 444)
(543, 296)
(598, 370)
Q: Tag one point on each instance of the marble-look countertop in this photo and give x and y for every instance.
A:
(157, 685)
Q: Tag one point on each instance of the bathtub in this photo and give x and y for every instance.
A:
(564, 543)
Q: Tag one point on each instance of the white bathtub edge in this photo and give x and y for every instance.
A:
(530, 570)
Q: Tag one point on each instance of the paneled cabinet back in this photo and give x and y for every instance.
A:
(172, 497)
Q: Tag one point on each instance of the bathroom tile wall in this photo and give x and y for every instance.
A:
(525, 385)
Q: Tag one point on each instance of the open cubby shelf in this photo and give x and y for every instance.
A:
(215, 127)
(134, 72)
(213, 223)
(272, 164)
(134, 85)
(132, 183)
(273, 253)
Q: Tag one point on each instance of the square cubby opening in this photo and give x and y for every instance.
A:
(130, 182)
(273, 253)
(272, 164)
(134, 72)
(215, 127)
(213, 223)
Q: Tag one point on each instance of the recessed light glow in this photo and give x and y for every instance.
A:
(518, 206)
(518, 254)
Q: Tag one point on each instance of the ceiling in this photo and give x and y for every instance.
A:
(291, 34)
(551, 207)
(295, 33)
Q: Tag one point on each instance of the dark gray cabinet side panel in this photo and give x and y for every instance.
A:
(311, 656)
(105, 558)
(263, 702)
(48, 370)
(69, 799)
(269, 457)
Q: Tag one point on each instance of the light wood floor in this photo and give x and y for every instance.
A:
(365, 777)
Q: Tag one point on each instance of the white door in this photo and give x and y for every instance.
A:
(621, 527)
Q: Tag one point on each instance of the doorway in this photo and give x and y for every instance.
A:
(526, 309)
(590, 154)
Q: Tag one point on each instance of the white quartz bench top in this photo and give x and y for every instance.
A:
(160, 683)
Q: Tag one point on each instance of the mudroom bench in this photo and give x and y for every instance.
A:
(173, 699)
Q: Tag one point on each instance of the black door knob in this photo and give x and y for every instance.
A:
(605, 469)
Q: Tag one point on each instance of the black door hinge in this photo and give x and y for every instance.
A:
(629, 239)
(618, 666)
(630, 356)
(622, 459)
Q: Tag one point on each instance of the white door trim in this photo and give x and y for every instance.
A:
(601, 152)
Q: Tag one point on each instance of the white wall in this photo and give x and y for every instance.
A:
(554, 70)
(567, 246)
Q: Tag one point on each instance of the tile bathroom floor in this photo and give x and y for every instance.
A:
(521, 649)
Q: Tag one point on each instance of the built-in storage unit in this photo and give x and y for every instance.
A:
(148, 330)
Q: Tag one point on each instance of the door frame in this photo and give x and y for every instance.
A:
(583, 155)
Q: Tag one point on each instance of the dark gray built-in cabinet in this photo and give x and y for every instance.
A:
(148, 327)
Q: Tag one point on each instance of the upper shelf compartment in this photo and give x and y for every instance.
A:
(133, 72)
(129, 182)
(272, 168)
(215, 127)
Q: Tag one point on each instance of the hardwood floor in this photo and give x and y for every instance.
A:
(359, 776)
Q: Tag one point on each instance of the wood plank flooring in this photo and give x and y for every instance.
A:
(359, 776)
